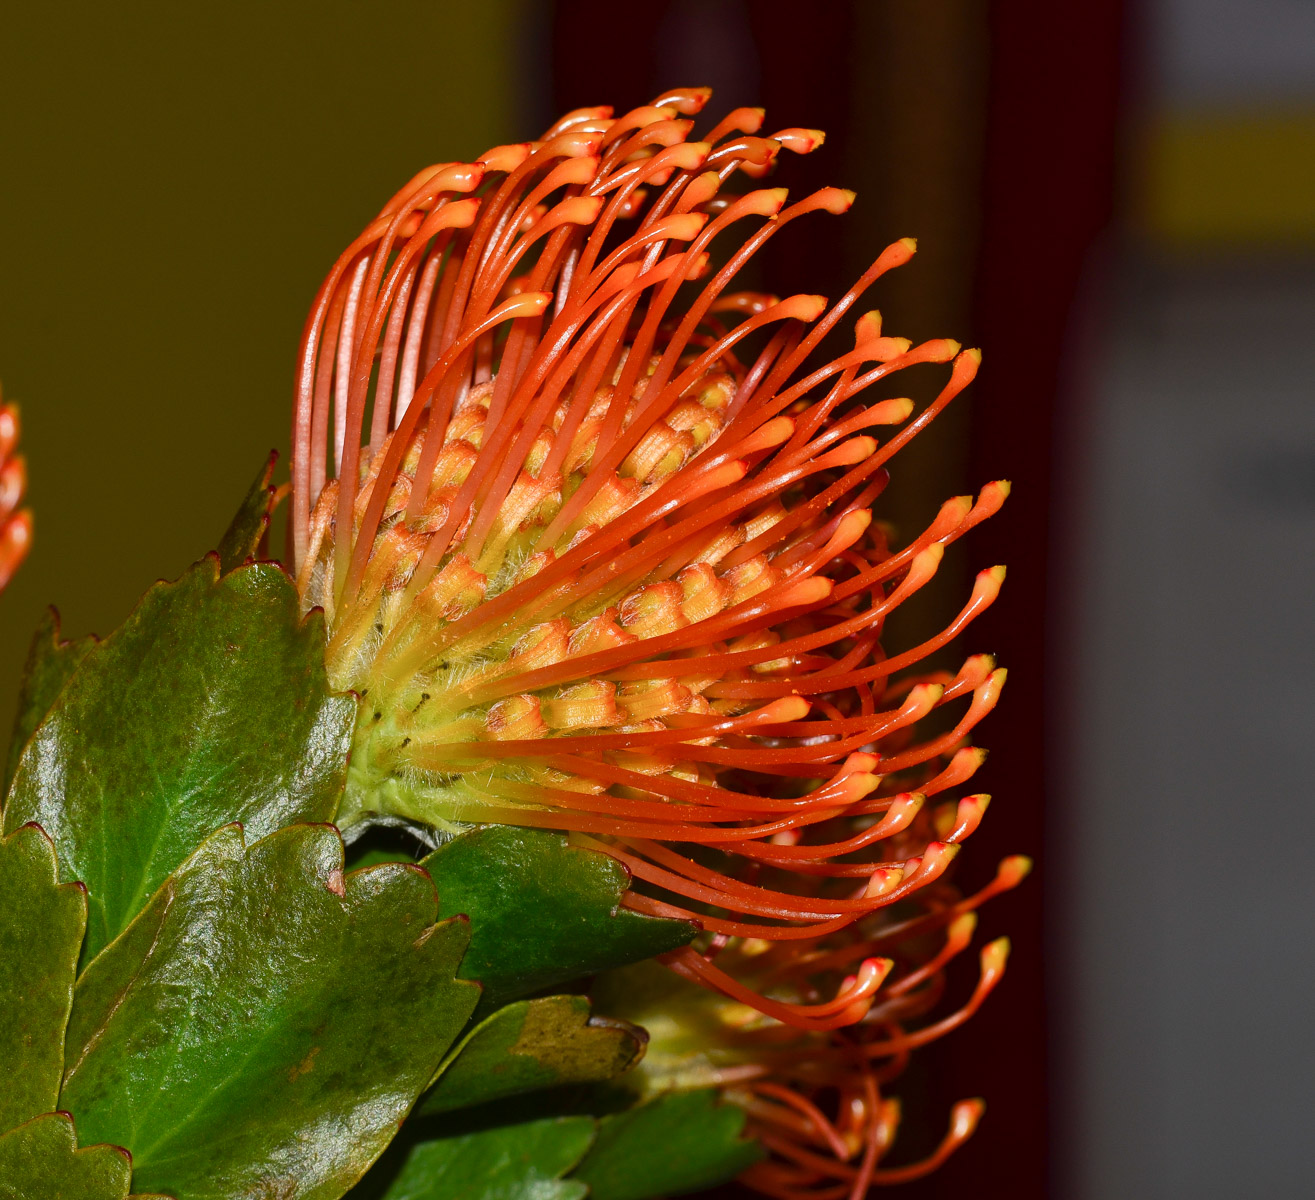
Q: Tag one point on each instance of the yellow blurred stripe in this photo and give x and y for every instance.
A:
(1230, 178)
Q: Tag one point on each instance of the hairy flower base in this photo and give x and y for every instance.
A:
(594, 537)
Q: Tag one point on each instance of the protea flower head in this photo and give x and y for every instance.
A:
(593, 533)
(15, 524)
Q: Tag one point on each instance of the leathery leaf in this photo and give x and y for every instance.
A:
(677, 1142)
(41, 1160)
(50, 664)
(529, 1045)
(265, 1023)
(241, 540)
(41, 924)
(506, 1162)
(542, 911)
(209, 705)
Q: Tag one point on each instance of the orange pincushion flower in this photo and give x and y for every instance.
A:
(593, 533)
(15, 526)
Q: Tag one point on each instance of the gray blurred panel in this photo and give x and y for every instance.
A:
(1230, 52)
(1189, 806)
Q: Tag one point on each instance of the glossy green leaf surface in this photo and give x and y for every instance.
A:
(266, 1022)
(41, 924)
(529, 1045)
(209, 705)
(41, 1161)
(678, 1142)
(241, 539)
(507, 1162)
(50, 664)
(542, 911)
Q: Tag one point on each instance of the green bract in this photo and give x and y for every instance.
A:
(529, 1045)
(42, 1159)
(266, 1021)
(208, 706)
(549, 912)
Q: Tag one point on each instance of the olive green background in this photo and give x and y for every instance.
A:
(175, 180)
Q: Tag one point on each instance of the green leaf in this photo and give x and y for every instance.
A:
(41, 924)
(506, 1162)
(678, 1142)
(209, 705)
(542, 912)
(41, 1161)
(241, 541)
(50, 665)
(266, 1022)
(529, 1045)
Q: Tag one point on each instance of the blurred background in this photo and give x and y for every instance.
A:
(1116, 200)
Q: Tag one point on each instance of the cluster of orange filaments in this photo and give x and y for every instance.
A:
(811, 1071)
(15, 525)
(593, 533)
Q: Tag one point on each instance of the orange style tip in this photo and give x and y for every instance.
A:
(686, 226)
(1014, 869)
(577, 143)
(578, 210)
(923, 697)
(994, 956)
(998, 676)
(689, 156)
(836, 200)
(689, 101)
(927, 559)
(965, 1117)
(527, 304)
(853, 452)
(774, 433)
(909, 800)
(505, 158)
(859, 786)
(1002, 486)
(766, 202)
(871, 974)
(577, 170)
(460, 214)
(975, 355)
(786, 709)
(800, 141)
(853, 524)
(813, 590)
(938, 350)
(960, 931)
(981, 801)
(910, 244)
(860, 762)
(937, 857)
(891, 412)
(801, 308)
(883, 880)
(868, 327)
